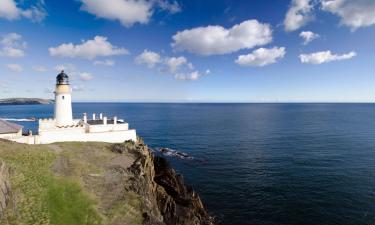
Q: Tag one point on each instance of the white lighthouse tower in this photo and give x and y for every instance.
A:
(63, 101)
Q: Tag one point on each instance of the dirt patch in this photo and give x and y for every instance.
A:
(123, 161)
(55, 148)
(62, 166)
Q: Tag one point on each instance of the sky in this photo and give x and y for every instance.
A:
(190, 50)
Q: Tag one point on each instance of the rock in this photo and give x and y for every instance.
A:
(180, 204)
(167, 199)
(5, 191)
(175, 153)
(128, 146)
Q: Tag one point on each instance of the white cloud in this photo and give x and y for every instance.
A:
(353, 13)
(78, 88)
(68, 68)
(299, 13)
(90, 49)
(10, 11)
(12, 45)
(106, 62)
(174, 63)
(308, 36)
(179, 67)
(188, 76)
(324, 57)
(217, 40)
(128, 12)
(173, 7)
(85, 76)
(73, 72)
(35, 14)
(148, 58)
(15, 68)
(12, 52)
(261, 57)
(191, 66)
(40, 69)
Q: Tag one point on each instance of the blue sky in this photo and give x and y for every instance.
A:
(190, 51)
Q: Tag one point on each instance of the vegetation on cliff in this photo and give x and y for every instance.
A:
(95, 183)
(25, 101)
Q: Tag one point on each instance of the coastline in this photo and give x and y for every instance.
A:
(25, 101)
(120, 183)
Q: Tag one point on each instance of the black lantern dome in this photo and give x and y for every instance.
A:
(62, 78)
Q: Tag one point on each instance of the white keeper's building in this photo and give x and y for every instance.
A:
(63, 128)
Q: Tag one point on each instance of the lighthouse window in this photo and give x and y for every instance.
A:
(63, 97)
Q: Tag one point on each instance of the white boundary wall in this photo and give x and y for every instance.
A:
(77, 136)
(80, 136)
(11, 135)
(49, 133)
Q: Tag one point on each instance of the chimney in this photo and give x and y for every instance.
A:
(105, 120)
(101, 116)
(93, 116)
(85, 117)
(115, 120)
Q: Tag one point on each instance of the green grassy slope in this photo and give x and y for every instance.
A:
(69, 184)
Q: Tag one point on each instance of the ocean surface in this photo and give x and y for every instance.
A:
(271, 164)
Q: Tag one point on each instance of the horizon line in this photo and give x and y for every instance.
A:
(227, 102)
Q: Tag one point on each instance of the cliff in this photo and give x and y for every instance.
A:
(25, 101)
(5, 191)
(165, 190)
(94, 183)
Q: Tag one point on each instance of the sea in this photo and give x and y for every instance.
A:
(266, 164)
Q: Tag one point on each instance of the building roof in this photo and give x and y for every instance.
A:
(8, 127)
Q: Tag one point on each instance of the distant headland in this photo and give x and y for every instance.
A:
(25, 101)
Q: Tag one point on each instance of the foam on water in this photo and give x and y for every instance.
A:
(18, 120)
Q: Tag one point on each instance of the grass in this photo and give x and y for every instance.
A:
(128, 210)
(67, 204)
(69, 184)
(29, 179)
(41, 197)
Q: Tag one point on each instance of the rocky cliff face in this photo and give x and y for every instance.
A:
(5, 191)
(166, 198)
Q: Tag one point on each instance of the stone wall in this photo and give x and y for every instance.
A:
(5, 191)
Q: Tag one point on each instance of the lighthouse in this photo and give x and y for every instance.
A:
(64, 128)
(63, 101)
